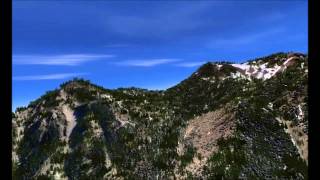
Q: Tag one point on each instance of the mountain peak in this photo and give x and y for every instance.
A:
(259, 68)
(76, 83)
(216, 69)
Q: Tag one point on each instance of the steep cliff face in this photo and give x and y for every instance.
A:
(225, 121)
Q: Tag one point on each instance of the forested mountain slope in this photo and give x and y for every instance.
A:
(225, 121)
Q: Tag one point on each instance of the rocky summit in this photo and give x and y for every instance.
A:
(225, 121)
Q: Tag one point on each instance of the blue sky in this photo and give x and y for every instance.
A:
(144, 44)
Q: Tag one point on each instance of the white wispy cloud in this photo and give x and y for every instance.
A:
(47, 76)
(64, 59)
(147, 62)
(190, 64)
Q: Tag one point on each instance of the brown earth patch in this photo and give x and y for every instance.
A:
(203, 133)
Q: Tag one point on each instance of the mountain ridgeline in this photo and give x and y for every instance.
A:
(225, 121)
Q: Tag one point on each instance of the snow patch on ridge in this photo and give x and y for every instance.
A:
(262, 71)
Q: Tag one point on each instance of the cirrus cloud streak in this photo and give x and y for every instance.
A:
(64, 59)
(147, 62)
(47, 76)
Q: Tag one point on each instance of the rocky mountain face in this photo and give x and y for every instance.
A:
(226, 121)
